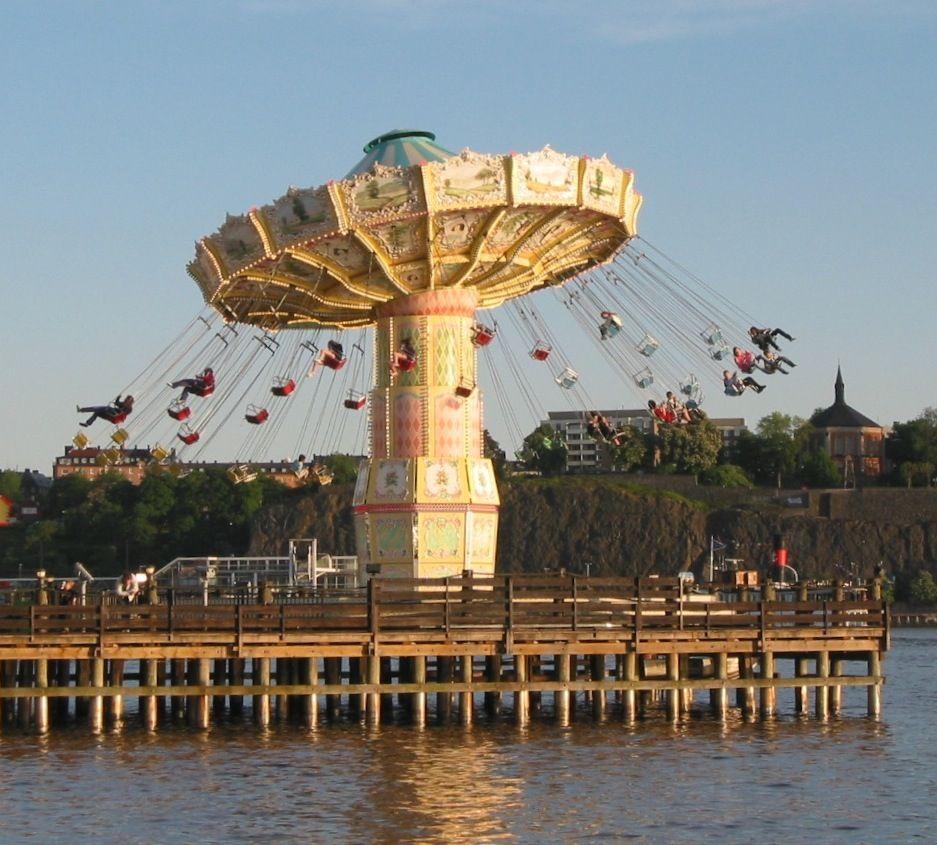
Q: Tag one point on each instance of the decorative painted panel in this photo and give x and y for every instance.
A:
(361, 482)
(301, 215)
(442, 537)
(391, 537)
(602, 186)
(408, 425)
(441, 481)
(484, 535)
(482, 483)
(545, 177)
(448, 425)
(378, 410)
(393, 481)
(468, 180)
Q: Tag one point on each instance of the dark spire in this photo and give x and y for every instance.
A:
(840, 387)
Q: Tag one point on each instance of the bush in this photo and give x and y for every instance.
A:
(725, 475)
(923, 589)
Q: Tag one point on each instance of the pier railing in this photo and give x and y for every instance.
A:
(505, 606)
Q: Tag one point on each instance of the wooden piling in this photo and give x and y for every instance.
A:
(62, 674)
(597, 668)
(309, 674)
(116, 702)
(720, 697)
(373, 702)
(82, 679)
(356, 701)
(333, 677)
(836, 691)
(673, 695)
(236, 679)
(418, 699)
(466, 699)
(260, 667)
(493, 673)
(177, 679)
(149, 703)
(823, 691)
(96, 705)
(521, 696)
(874, 690)
(219, 679)
(42, 702)
(387, 698)
(561, 696)
(629, 672)
(443, 699)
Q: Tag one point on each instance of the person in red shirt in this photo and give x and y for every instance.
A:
(204, 382)
(115, 413)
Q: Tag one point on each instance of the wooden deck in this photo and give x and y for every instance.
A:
(457, 637)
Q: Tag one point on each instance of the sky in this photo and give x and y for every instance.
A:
(786, 152)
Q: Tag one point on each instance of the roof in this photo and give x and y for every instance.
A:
(400, 148)
(839, 414)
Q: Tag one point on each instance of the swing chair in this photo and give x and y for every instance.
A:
(610, 326)
(690, 386)
(178, 410)
(720, 353)
(712, 335)
(329, 358)
(644, 378)
(159, 453)
(356, 400)
(188, 435)
(178, 471)
(323, 474)
(242, 473)
(256, 415)
(464, 388)
(648, 345)
(567, 379)
(120, 436)
(482, 335)
(202, 389)
(541, 351)
(283, 386)
(80, 440)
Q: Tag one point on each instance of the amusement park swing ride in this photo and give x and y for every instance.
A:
(372, 300)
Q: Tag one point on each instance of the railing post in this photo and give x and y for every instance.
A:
(509, 614)
(637, 610)
(373, 613)
(446, 608)
(574, 588)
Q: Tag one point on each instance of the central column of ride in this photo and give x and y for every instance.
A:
(426, 502)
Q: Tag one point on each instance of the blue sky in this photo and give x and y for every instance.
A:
(786, 152)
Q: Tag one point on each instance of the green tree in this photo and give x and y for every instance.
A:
(543, 451)
(914, 441)
(818, 469)
(630, 450)
(923, 590)
(10, 484)
(725, 475)
(689, 448)
(344, 468)
(493, 451)
(910, 471)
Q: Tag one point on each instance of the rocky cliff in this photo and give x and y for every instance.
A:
(621, 528)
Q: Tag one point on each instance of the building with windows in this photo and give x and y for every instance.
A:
(584, 452)
(855, 442)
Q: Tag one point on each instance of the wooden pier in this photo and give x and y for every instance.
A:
(528, 646)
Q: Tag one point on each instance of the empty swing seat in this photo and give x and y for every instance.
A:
(188, 435)
(120, 436)
(464, 389)
(482, 335)
(567, 379)
(541, 351)
(648, 345)
(355, 401)
(644, 378)
(255, 415)
(159, 453)
(712, 335)
(720, 353)
(178, 410)
(80, 440)
(690, 385)
(323, 474)
(241, 473)
(283, 386)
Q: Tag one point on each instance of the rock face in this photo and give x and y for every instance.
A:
(548, 525)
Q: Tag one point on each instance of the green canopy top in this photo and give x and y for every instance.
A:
(400, 148)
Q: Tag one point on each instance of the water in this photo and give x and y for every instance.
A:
(851, 780)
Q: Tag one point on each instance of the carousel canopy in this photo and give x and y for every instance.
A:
(412, 217)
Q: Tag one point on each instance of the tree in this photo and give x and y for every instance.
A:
(344, 468)
(10, 484)
(492, 450)
(911, 470)
(725, 475)
(923, 589)
(543, 451)
(630, 450)
(690, 448)
(818, 469)
(914, 441)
